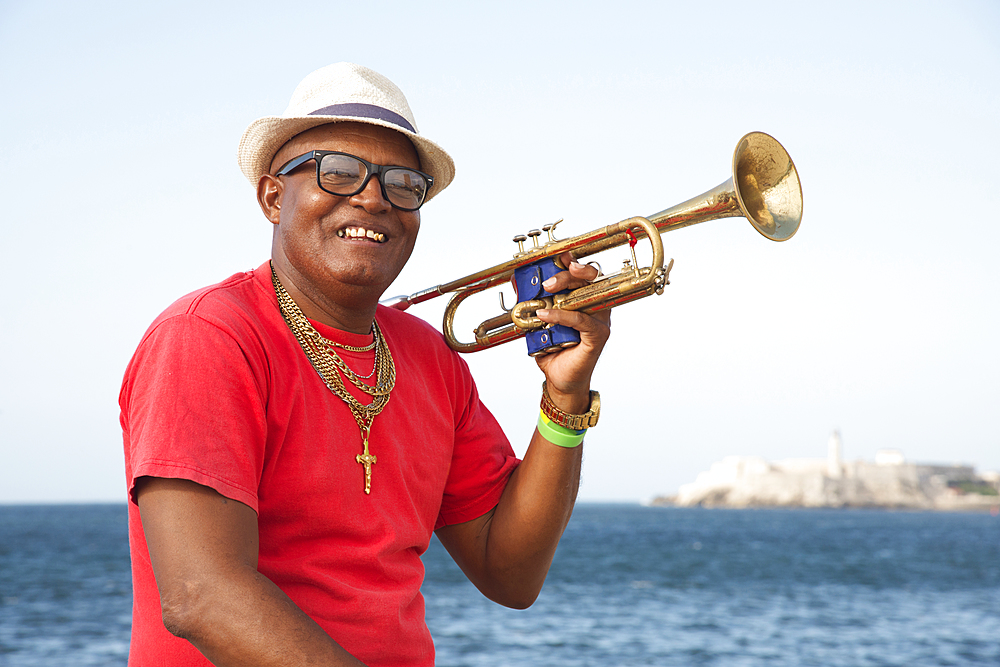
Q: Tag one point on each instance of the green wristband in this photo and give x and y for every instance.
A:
(559, 435)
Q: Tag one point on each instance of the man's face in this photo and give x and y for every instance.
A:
(323, 238)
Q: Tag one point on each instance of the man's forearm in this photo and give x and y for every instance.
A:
(532, 515)
(507, 553)
(203, 549)
(244, 619)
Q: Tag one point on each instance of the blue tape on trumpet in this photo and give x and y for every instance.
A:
(528, 285)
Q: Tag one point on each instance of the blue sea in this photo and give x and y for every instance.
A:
(631, 585)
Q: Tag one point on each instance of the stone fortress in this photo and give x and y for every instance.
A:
(889, 482)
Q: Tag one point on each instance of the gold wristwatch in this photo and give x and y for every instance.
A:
(574, 422)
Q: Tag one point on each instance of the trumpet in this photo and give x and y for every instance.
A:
(764, 188)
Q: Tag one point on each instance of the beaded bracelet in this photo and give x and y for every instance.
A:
(559, 435)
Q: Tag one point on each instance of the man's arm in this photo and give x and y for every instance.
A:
(507, 552)
(203, 548)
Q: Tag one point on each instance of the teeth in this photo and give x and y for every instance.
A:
(361, 233)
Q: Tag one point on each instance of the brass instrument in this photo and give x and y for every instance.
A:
(764, 188)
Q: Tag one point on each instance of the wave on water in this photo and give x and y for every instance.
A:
(630, 585)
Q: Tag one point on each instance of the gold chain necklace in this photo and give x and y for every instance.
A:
(329, 365)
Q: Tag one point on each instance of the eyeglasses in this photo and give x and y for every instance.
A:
(346, 175)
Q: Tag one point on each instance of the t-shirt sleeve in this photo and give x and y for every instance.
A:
(193, 407)
(482, 461)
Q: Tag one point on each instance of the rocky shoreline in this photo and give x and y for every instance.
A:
(888, 482)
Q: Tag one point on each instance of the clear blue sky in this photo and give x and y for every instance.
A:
(119, 128)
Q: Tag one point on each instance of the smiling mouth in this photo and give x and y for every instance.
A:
(361, 233)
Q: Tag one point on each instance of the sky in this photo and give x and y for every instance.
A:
(119, 126)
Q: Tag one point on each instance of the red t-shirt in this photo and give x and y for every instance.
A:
(219, 392)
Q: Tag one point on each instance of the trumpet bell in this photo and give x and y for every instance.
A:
(764, 188)
(767, 186)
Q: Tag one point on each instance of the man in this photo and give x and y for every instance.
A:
(290, 445)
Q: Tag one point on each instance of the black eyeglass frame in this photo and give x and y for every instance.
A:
(371, 168)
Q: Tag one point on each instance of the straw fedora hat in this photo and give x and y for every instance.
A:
(341, 92)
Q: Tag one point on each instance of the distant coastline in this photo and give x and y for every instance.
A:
(888, 482)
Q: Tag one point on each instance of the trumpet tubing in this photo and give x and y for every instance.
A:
(764, 188)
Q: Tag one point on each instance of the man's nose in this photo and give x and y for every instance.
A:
(371, 198)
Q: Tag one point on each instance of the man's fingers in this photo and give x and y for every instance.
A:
(569, 371)
(583, 271)
(596, 325)
(576, 275)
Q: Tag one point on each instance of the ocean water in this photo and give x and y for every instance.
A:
(65, 585)
(630, 585)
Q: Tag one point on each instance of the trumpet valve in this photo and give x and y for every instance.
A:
(533, 235)
(519, 240)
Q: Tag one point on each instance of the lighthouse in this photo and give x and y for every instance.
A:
(834, 469)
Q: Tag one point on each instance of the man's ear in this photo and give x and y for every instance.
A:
(269, 190)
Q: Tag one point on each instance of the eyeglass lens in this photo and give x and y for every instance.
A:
(343, 175)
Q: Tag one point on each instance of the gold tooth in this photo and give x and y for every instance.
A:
(360, 232)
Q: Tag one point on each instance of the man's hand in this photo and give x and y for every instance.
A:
(568, 371)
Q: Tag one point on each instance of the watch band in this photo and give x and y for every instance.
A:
(575, 422)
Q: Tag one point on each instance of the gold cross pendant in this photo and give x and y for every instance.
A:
(367, 460)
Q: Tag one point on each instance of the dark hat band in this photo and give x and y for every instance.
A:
(370, 111)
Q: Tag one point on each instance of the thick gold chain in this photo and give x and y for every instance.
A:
(329, 365)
